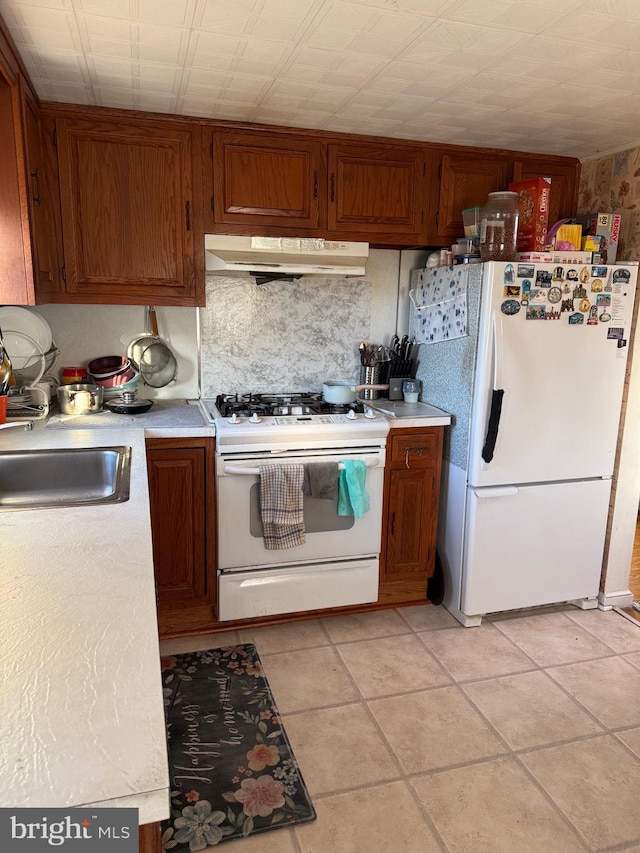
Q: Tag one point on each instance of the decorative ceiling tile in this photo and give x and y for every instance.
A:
(554, 76)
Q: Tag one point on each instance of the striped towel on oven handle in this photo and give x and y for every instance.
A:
(281, 506)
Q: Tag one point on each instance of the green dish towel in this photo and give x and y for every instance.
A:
(353, 498)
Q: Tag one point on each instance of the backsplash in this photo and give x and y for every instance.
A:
(285, 336)
(291, 336)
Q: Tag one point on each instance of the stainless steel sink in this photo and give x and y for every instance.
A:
(84, 476)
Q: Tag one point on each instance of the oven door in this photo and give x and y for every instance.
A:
(329, 536)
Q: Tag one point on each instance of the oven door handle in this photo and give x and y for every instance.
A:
(254, 472)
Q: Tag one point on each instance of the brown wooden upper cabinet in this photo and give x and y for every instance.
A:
(276, 184)
(43, 199)
(564, 183)
(263, 180)
(131, 211)
(16, 267)
(376, 189)
(465, 181)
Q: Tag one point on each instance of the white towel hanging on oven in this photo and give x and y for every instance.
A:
(281, 506)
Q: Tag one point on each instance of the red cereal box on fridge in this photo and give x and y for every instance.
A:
(533, 217)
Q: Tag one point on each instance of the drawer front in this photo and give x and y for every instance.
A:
(415, 451)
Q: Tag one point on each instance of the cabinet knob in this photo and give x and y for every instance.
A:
(315, 184)
(36, 178)
(187, 214)
(333, 186)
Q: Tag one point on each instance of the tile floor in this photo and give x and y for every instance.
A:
(416, 735)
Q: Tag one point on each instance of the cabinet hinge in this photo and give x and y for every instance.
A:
(54, 136)
(63, 273)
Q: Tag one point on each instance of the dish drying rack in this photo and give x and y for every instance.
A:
(22, 405)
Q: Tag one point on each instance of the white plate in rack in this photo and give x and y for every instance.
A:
(26, 334)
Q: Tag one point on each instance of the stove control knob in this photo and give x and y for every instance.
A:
(352, 415)
(234, 419)
(369, 413)
(254, 419)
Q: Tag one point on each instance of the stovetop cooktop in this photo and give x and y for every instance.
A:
(297, 403)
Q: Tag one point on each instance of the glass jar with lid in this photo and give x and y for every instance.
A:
(499, 227)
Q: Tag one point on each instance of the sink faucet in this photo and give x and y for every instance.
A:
(26, 425)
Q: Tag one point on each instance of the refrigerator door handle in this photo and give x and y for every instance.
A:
(497, 492)
(494, 423)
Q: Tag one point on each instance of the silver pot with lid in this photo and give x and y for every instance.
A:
(79, 398)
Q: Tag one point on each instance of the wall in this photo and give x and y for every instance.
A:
(84, 332)
(612, 183)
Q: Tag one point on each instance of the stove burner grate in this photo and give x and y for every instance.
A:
(297, 403)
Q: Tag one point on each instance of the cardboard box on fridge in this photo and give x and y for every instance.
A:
(533, 213)
(551, 256)
(605, 225)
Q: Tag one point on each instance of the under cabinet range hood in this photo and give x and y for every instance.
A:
(285, 256)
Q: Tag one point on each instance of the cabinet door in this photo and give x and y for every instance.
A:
(43, 205)
(265, 181)
(128, 212)
(410, 516)
(16, 273)
(412, 526)
(465, 181)
(178, 523)
(564, 183)
(376, 192)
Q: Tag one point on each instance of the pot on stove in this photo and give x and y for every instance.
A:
(345, 392)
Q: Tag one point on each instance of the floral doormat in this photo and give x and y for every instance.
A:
(232, 770)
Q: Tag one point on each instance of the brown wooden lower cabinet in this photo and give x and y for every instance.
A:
(182, 498)
(149, 838)
(410, 522)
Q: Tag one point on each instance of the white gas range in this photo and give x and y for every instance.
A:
(337, 565)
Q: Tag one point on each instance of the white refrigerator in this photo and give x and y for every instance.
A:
(534, 377)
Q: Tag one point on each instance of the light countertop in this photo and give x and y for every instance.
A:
(81, 709)
(401, 415)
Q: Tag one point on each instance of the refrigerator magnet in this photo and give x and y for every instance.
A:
(525, 271)
(509, 274)
(572, 275)
(621, 275)
(605, 316)
(552, 314)
(603, 300)
(593, 316)
(584, 275)
(596, 285)
(536, 312)
(558, 274)
(567, 305)
(511, 290)
(599, 272)
(579, 292)
(554, 295)
(584, 305)
(510, 307)
(615, 333)
(576, 319)
(543, 278)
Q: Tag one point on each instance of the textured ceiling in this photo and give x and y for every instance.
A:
(552, 76)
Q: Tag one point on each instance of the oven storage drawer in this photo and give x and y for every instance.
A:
(266, 592)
